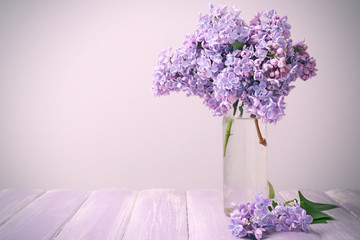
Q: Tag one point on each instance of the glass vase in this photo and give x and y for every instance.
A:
(245, 160)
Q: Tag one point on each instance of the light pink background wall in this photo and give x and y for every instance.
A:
(77, 109)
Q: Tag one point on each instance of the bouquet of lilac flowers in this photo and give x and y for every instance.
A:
(234, 65)
(226, 61)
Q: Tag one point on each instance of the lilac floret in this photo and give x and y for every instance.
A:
(237, 228)
(262, 203)
(304, 220)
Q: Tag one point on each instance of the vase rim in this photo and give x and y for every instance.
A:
(242, 118)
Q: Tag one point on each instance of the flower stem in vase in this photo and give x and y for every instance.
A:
(227, 134)
(261, 139)
(228, 128)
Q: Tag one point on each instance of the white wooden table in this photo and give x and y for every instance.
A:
(150, 214)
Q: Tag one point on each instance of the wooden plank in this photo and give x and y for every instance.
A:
(206, 217)
(104, 215)
(13, 200)
(43, 218)
(158, 215)
(345, 226)
(207, 220)
(348, 199)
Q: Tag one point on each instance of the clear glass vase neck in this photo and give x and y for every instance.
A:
(245, 115)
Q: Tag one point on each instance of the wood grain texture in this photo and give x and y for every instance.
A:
(43, 218)
(348, 199)
(345, 226)
(206, 217)
(158, 215)
(13, 200)
(207, 220)
(151, 215)
(103, 216)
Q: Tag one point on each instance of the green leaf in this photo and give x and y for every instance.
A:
(316, 214)
(315, 209)
(238, 45)
(274, 204)
(317, 206)
(320, 220)
(325, 218)
(227, 135)
(271, 191)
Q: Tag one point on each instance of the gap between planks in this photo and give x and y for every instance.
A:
(104, 215)
(68, 220)
(348, 199)
(43, 217)
(12, 201)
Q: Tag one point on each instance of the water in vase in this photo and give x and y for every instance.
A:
(245, 162)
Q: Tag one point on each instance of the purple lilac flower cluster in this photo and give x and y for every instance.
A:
(226, 60)
(254, 218)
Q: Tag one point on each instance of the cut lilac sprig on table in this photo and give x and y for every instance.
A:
(255, 219)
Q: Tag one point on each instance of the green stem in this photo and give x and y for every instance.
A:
(228, 128)
(227, 134)
(241, 109)
(235, 107)
(287, 202)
